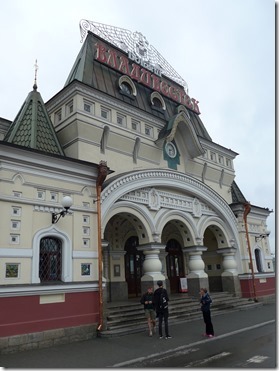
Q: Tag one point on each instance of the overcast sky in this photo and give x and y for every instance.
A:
(223, 49)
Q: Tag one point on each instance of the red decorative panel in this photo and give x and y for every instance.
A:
(25, 314)
(263, 287)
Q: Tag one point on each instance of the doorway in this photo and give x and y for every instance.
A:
(133, 267)
(175, 266)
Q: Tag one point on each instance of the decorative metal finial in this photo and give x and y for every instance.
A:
(36, 70)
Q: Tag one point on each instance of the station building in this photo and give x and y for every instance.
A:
(170, 209)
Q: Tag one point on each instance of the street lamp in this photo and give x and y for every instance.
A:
(66, 203)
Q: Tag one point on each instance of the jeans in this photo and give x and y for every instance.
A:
(208, 324)
(164, 316)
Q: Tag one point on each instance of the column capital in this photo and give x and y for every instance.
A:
(194, 249)
(151, 246)
(226, 250)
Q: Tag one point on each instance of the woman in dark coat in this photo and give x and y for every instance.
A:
(205, 302)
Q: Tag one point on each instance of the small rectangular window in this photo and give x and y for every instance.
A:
(86, 230)
(209, 267)
(70, 107)
(228, 162)
(88, 106)
(54, 196)
(221, 160)
(86, 242)
(135, 125)
(14, 239)
(58, 116)
(148, 130)
(218, 266)
(15, 224)
(17, 194)
(16, 211)
(105, 113)
(86, 219)
(212, 156)
(41, 195)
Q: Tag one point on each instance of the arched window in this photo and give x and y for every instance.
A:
(258, 260)
(50, 263)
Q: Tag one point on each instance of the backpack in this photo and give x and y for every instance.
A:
(163, 304)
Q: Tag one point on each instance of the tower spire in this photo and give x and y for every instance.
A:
(36, 70)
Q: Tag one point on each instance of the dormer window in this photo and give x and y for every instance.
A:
(126, 86)
(157, 101)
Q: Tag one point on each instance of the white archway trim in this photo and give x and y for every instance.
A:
(172, 180)
(216, 221)
(165, 216)
(67, 274)
(137, 210)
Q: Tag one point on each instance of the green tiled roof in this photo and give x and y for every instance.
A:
(32, 127)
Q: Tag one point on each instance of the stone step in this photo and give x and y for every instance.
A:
(128, 317)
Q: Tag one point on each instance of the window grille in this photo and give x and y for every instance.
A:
(50, 259)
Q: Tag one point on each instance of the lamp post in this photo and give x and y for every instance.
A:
(247, 209)
(66, 202)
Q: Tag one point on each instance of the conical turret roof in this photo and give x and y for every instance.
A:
(32, 127)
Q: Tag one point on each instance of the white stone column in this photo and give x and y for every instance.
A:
(229, 263)
(196, 277)
(230, 279)
(196, 264)
(152, 266)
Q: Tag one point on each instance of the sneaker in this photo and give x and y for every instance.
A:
(211, 336)
(161, 337)
(168, 337)
(150, 333)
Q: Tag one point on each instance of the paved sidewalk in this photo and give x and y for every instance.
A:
(109, 352)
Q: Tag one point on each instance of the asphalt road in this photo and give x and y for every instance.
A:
(237, 333)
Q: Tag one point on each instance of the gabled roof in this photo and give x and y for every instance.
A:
(237, 195)
(32, 127)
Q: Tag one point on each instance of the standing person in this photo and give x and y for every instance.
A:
(205, 302)
(161, 299)
(147, 300)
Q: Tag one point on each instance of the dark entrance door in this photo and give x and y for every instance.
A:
(50, 259)
(133, 267)
(175, 266)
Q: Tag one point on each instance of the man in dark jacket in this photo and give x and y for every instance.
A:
(147, 300)
(161, 299)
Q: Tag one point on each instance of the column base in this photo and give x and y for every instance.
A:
(195, 283)
(231, 284)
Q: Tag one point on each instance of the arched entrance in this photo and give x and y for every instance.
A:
(133, 266)
(175, 266)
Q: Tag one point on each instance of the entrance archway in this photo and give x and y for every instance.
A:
(133, 266)
(175, 266)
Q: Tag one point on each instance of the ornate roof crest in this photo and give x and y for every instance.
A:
(133, 43)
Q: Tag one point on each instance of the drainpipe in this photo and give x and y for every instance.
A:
(247, 209)
(102, 174)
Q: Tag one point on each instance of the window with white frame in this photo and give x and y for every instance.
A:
(86, 242)
(16, 210)
(105, 113)
(17, 194)
(14, 239)
(221, 160)
(70, 107)
(148, 130)
(86, 230)
(54, 196)
(212, 156)
(15, 224)
(228, 162)
(41, 195)
(86, 219)
(88, 106)
(135, 125)
(58, 116)
(120, 119)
